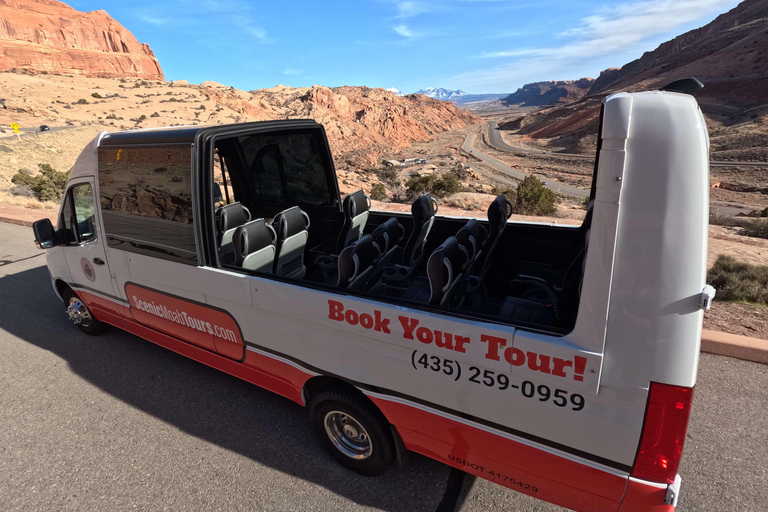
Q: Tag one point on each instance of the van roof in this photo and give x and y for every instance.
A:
(187, 134)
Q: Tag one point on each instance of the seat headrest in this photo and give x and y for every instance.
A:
(388, 235)
(290, 222)
(357, 258)
(252, 237)
(423, 209)
(356, 203)
(498, 212)
(232, 215)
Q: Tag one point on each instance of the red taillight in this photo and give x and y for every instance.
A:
(661, 443)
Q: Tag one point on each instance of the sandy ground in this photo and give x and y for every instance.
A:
(741, 319)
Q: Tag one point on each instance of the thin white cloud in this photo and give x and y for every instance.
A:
(410, 9)
(404, 31)
(291, 71)
(157, 21)
(609, 30)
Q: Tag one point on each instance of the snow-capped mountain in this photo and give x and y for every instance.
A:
(396, 92)
(441, 94)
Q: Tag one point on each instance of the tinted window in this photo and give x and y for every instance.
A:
(146, 200)
(82, 199)
(288, 167)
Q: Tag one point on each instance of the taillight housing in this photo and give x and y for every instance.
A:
(664, 430)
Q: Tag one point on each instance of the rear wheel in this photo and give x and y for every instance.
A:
(80, 315)
(353, 431)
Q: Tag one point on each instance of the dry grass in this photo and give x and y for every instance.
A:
(738, 281)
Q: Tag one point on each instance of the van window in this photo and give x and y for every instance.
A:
(146, 200)
(82, 199)
(83, 229)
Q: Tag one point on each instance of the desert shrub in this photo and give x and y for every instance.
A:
(757, 228)
(738, 281)
(533, 198)
(47, 186)
(81, 101)
(378, 192)
(420, 184)
(387, 175)
(438, 186)
(507, 192)
(141, 118)
(764, 213)
(155, 115)
(96, 95)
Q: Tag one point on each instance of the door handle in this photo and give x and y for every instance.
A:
(98, 261)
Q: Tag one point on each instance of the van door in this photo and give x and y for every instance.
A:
(84, 248)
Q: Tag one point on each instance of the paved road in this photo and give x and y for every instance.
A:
(117, 423)
(24, 132)
(505, 169)
(497, 142)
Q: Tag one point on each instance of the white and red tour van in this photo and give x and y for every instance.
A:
(558, 361)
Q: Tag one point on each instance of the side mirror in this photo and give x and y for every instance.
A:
(45, 235)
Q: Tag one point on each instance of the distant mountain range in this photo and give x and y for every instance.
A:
(459, 97)
(541, 94)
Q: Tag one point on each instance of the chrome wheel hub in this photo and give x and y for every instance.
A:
(348, 435)
(79, 313)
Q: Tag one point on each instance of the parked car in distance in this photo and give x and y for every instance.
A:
(44, 128)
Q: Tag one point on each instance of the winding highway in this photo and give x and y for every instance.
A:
(495, 140)
(555, 186)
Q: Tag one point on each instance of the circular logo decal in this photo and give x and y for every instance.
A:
(88, 269)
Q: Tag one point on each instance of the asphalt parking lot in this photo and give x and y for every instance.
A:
(116, 423)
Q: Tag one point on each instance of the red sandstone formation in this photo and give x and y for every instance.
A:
(50, 36)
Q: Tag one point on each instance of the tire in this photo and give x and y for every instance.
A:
(353, 431)
(88, 324)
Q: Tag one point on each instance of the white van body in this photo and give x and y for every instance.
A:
(591, 419)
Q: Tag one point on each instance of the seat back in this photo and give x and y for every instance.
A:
(228, 218)
(471, 236)
(357, 261)
(387, 236)
(356, 207)
(423, 211)
(498, 212)
(291, 226)
(254, 244)
(445, 271)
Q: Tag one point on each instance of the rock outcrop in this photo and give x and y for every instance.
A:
(543, 94)
(365, 122)
(52, 37)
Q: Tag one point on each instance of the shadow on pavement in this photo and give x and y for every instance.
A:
(206, 403)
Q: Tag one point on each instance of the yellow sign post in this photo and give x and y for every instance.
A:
(15, 127)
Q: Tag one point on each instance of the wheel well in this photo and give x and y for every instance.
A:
(317, 385)
(61, 286)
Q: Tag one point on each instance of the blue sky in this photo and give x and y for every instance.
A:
(480, 46)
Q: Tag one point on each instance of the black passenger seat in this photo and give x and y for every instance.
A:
(292, 227)
(228, 218)
(254, 244)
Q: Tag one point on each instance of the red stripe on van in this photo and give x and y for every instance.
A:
(98, 305)
(547, 476)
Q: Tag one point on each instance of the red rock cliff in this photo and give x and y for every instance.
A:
(50, 36)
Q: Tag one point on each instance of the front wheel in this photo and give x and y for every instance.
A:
(80, 315)
(353, 431)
